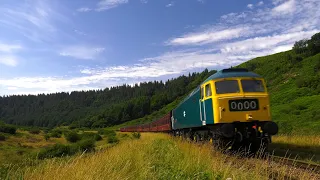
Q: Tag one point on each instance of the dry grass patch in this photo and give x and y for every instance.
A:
(158, 156)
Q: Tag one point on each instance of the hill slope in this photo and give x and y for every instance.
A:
(294, 85)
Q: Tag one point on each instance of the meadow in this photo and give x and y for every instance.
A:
(159, 156)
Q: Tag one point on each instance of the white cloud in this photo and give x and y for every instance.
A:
(284, 8)
(250, 6)
(266, 42)
(7, 56)
(282, 18)
(79, 32)
(82, 52)
(260, 3)
(108, 4)
(84, 9)
(33, 19)
(170, 4)
(9, 47)
(209, 36)
(8, 60)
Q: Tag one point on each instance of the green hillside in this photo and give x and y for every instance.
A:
(293, 80)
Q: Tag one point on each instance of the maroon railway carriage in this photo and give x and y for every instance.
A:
(162, 124)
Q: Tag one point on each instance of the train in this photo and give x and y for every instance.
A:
(230, 109)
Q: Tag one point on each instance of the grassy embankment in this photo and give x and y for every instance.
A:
(157, 156)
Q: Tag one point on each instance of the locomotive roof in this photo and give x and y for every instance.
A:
(235, 72)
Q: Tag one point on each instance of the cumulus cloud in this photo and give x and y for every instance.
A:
(170, 4)
(236, 38)
(108, 4)
(284, 8)
(8, 60)
(35, 20)
(7, 56)
(209, 36)
(250, 6)
(282, 18)
(81, 52)
(84, 9)
(9, 47)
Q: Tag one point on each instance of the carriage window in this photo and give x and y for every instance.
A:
(208, 90)
(227, 86)
(249, 85)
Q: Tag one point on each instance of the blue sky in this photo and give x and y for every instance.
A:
(58, 45)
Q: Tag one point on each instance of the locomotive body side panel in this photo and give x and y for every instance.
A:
(187, 114)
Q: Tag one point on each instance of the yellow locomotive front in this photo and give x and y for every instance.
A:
(241, 109)
(241, 100)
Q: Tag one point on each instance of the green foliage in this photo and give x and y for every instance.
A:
(5, 128)
(112, 139)
(34, 130)
(58, 150)
(46, 137)
(2, 137)
(136, 135)
(85, 145)
(72, 136)
(90, 135)
(97, 108)
(55, 134)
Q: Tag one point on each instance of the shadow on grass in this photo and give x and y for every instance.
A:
(305, 153)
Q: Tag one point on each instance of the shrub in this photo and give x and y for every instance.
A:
(47, 137)
(84, 145)
(34, 130)
(97, 137)
(136, 135)
(109, 133)
(2, 137)
(72, 137)
(90, 135)
(113, 139)
(57, 150)
(8, 129)
(55, 134)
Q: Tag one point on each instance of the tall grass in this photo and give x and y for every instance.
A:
(158, 156)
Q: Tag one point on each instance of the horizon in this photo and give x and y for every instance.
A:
(63, 46)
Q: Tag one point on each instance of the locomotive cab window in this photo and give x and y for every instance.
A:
(252, 85)
(227, 86)
(208, 90)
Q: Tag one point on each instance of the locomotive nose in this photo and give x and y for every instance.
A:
(271, 128)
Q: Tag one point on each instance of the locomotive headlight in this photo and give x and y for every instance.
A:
(221, 109)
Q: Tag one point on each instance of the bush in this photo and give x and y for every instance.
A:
(8, 129)
(2, 137)
(55, 134)
(113, 139)
(109, 133)
(90, 135)
(84, 145)
(136, 135)
(72, 137)
(57, 150)
(34, 130)
(47, 137)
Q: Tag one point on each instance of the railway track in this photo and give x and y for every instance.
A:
(315, 168)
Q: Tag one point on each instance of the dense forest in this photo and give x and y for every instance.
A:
(293, 79)
(96, 108)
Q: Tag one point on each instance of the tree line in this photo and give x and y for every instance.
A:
(96, 108)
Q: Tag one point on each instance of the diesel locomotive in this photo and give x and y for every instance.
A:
(231, 109)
